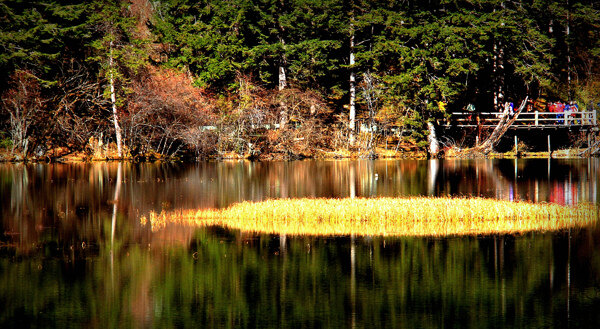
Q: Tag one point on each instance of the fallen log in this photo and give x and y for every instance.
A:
(592, 150)
(505, 122)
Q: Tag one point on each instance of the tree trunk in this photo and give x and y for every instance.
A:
(498, 70)
(283, 113)
(282, 63)
(434, 145)
(352, 116)
(568, 42)
(498, 75)
(283, 110)
(489, 144)
(371, 97)
(113, 100)
(593, 148)
(282, 79)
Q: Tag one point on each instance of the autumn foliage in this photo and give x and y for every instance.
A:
(167, 114)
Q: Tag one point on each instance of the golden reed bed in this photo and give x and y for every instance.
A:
(415, 216)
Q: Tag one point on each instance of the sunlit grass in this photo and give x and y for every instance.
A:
(414, 216)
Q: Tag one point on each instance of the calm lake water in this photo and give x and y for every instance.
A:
(74, 254)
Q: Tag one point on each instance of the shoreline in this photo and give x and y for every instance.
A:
(325, 155)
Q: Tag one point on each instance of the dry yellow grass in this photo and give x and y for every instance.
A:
(415, 216)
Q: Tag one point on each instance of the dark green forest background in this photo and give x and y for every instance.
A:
(285, 77)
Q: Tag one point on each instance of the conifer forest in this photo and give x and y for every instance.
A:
(279, 78)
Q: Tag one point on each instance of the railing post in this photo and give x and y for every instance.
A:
(536, 117)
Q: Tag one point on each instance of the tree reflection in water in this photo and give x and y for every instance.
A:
(230, 279)
(74, 254)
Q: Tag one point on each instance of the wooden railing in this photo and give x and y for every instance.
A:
(526, 120)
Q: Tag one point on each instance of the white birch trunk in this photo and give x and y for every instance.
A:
(498, 69)
(352, 114)
(495, 72)
(113, 100)
(568, 32)
(434, 145)
(498, 76)
(282, 77)
(283, 113)
(283, 59)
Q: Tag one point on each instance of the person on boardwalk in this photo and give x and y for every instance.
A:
(574, 112)
(511, 109)
(560, 108)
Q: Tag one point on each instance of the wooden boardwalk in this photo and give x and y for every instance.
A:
(526, 120)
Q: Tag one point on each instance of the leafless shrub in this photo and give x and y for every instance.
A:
(79, 108)
(26, 110)
(241, 117)
(166, 114)
(304, 132)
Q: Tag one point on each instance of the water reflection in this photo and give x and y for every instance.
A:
(40, 200)
(214, 184)
(227, 279)
(73, 253)
(539, 180)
